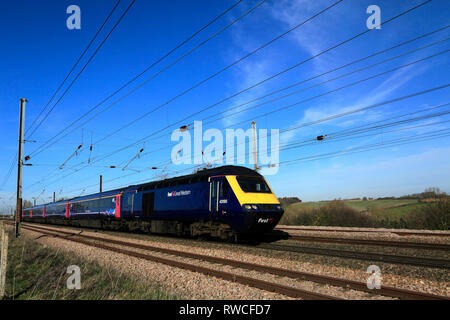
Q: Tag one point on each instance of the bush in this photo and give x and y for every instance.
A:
(286, 201)
(433, 216)
(334, 213)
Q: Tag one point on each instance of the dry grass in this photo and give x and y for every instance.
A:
(36, 272)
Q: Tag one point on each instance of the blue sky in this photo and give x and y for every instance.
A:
(37, 51)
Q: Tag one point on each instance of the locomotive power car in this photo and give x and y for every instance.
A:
(223, 202)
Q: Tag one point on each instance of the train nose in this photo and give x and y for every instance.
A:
(266, 220)
(262, 222)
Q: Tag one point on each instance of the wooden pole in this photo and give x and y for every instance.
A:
(3, 260)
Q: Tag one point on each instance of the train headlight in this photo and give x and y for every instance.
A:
(279, 207)
(250, 207)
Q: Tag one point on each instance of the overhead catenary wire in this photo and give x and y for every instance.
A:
(369, 127)
(283, 34)
(228, 113)
(336, 115)
(71, 156)
(132, 159)
(300, 82)
(357, 110)
(340, 88)
(353, 134)
(9, 172)
(380, 145)
(424, 35)
(309, 79)
(372, 106)
(394, 117)
(158, 176)
(357, 133)
(342, 114)
(290, 68)
(70, 126)
(423, 3)
(376, 146)
(299, 102)
(127, 175)
(74, 66)
(224, 69)
(84, 67)
(214, 74)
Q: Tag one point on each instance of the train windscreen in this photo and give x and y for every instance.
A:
(254, 185)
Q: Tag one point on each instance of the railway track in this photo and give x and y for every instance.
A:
(397, 232)
(264, 285)
(348, 254)
(369, 256)
(370, 242)
(252, 282)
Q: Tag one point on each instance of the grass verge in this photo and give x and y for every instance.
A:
(36, 272)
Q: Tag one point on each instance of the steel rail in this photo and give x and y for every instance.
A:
(252, 282)
(397, 232)
(372, 242)
(323, 279)
(368, 256)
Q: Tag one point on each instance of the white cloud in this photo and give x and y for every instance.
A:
(380, 93)
(397, 80)
(311, 36)
(314, 36)
(249, 73)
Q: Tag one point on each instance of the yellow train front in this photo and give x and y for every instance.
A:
(242, 199)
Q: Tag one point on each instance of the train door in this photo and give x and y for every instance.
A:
(218, 196)
(148, 203)
(117, 209)
(214, 196)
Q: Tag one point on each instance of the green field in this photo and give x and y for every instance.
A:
(389, 213)
(365, 205)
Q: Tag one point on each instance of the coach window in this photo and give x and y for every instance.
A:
(214, 189)
(224, 187)
(107, 203)
(130, 200)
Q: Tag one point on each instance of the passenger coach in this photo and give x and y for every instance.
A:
(222, 202)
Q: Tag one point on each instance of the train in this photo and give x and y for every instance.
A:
(227, 202)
